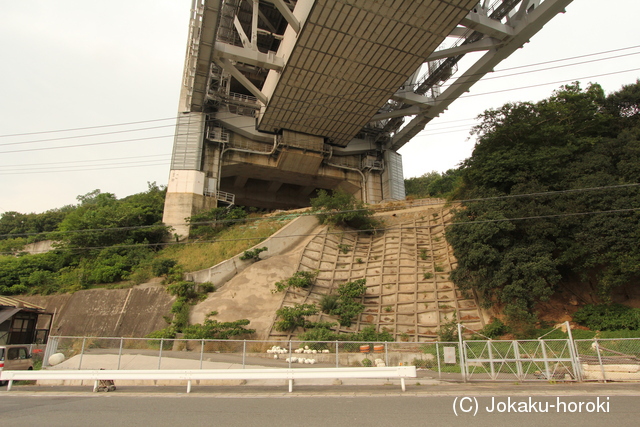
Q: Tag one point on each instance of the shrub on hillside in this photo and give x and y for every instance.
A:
(608, 317)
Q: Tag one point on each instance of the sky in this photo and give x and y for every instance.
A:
(88, 90)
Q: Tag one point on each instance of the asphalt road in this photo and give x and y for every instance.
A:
(496, 405)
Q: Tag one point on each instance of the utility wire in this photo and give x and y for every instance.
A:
(82, 161)
(317, 99)
(382, 209)
(371, 230)
(325, 116)
(86, 128)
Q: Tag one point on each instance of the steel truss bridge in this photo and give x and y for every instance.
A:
(281, 98)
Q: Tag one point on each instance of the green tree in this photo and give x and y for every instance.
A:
(573, 140)
(293, 317)
(342, 209)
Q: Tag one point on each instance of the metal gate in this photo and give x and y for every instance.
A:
(522, 360)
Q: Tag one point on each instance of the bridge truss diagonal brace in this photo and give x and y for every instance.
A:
(231, 69)
(529, 25)
(487, 26)
(287, 14)
(249, 56)
(484, 44)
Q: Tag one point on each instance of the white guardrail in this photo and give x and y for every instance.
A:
(189, 375)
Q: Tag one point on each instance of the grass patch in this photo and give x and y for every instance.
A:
(230, 243)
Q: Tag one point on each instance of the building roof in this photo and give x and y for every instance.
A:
(14, 302)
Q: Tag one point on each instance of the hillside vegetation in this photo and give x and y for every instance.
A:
(104, 240)
(552, 198)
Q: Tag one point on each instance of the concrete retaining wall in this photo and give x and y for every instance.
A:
(279, 243)
(133, 312)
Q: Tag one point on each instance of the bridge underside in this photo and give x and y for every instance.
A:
(281, 98)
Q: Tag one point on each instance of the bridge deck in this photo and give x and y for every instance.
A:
(351, 57)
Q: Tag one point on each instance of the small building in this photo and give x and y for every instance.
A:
(23, 323)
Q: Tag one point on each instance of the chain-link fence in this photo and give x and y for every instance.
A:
(488, 360)
(149, 353)
(611, 359)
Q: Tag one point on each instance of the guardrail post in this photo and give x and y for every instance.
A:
(201, 351)
(244, 351)
(337, 357)
(120, 352)
(84, 340)
(160, 352)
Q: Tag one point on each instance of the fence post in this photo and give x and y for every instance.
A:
(160, 352)
(463, 362)
(84, 339)
(50, 349)
(546, 360)
(244, 351)
(577, 369)
(493, 370)
(516, 355)
(604, 375)
(386, 354)
(438, 357)
(120, 352)
(337, 357)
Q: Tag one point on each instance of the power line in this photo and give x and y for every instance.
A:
(86, 128)
(382, 209)
(64, 138)
(83, 161)
(322, 97)
(137, 165)
(327, 116)
(340, 232)
(87, 144)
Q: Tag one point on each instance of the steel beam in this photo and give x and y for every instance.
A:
(524, 29)
(287, 14)
(231, 69)
(248, 56)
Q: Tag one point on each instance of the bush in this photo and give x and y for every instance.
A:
(328, 303)
(212, 329)
(347, 307)
(604, 317)
(162, 266)
(207, 287)
(253, 255)
(493, 329)
(293, 317)
(342, 209)
(301, 279)
(448, 331)
(183, 289)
